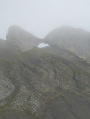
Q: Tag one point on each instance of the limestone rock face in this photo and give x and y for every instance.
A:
(72, 39)
(6, 87)
(23, 40)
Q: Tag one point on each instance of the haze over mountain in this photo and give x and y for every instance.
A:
(72, 39)
(21, 38)
(39, 17)
(44, 83)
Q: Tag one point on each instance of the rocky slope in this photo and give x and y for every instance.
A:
(17, 41)
(72, 39)
(44, 83)
(32, 82)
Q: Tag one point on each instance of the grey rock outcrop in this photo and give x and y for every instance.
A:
(72, 39)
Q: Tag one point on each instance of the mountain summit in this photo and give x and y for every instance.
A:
(21, 38)
(73, 39)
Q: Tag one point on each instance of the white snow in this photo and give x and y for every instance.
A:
(42, 45)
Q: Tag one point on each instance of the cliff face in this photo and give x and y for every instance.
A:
(17, 41)
(72, 39)
(21, 39)
(44, 83)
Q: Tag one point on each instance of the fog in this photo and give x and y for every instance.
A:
(41, 16)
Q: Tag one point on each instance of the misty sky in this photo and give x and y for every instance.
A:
(41, 16)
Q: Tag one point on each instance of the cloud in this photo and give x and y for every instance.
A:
(43, 45)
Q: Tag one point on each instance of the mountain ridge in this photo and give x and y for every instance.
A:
(42, 83)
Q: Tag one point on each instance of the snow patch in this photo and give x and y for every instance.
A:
(43, 45)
